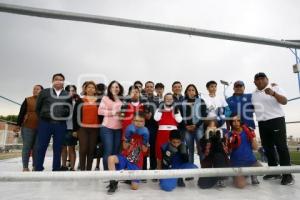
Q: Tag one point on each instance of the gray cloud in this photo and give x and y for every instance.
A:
(32, 49)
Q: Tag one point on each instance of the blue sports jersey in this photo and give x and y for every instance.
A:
(242, 105)
(243, 155)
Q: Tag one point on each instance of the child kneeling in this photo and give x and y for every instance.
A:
(135, 148)
(242, 142)
(174, 156)
(213, 152)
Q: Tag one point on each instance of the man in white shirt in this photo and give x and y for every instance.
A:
(268, 101)
(217, 106)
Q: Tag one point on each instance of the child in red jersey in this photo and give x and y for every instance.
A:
(168, 118)
(135, 147)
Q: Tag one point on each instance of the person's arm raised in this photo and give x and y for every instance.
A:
(280, 98)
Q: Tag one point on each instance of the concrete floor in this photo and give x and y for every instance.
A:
(86, 190)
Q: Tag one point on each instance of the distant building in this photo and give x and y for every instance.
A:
(7, 136)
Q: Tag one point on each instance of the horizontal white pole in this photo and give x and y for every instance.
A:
(144, 174)
(64, 15)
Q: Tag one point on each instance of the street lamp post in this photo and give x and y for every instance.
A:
(225, 86)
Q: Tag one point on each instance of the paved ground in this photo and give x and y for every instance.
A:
(86, 190)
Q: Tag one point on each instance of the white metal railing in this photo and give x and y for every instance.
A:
(144, 174)
(65, 15)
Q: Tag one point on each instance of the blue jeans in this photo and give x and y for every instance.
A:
(190, 137)
(170, 184)
(29, 143)
(111, 139)
(45, 131)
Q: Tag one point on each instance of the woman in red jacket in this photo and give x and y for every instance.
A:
(86, 123)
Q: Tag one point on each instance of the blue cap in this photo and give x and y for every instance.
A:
(239, 83)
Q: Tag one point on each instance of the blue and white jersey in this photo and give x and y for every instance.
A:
(242, 106)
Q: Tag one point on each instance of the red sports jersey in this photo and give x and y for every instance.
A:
(167, 118)
(134, 153)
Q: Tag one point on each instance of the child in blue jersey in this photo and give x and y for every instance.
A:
(242, 142)
(174, 156)
(135, 147)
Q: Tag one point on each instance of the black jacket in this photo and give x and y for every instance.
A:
(49, 107)
(174, 157)
(187, 111)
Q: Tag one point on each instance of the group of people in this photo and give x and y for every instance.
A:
(127, 129)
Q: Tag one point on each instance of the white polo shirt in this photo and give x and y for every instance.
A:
(266, 107)
(213, 103)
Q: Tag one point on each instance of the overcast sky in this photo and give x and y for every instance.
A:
(32, 49)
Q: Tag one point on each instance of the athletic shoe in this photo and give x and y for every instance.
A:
(254, 180)
(287, 179)
(63, 168)
(189, 178)
(128, 182)
(112, 187)
(180, 182)
(221, 184)
(270, 177)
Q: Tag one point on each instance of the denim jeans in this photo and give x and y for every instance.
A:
(45, 131)
(190, 139)
(29, 144)
(111, 139)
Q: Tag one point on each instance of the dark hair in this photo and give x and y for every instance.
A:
(58, 74)
(176, 82)
(209, 83)
(133, 87)
(186, 90)
(40, 86)
(83, 84)
(167, 94)
(101, 87)
(235, 115)
(175, 135)
(68, 88)
(139, 114)
(149, 82)
(138, 82)
(87, 83)
(110, 95)
(208, 121)
(129, 90)
(159, 85)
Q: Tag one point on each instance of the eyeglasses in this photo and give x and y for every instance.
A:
(136, 120)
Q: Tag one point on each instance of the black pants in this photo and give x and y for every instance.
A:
(152, 140)
(87, 145)
(273, 135)
(215, 160)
